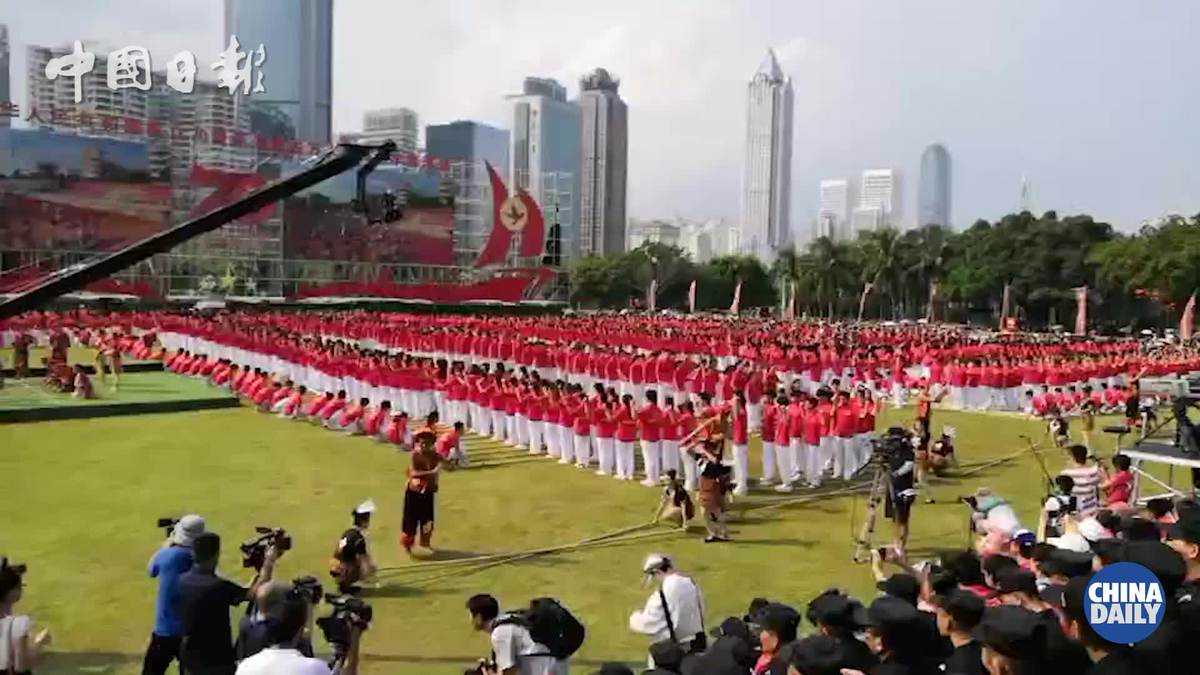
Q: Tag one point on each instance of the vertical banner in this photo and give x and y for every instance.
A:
(652, 296)
(935, 293)
(1081, 307)
(789, 313)
(692, 297)
(737, 299)
(862, 299)
(1189, 318)
(1005, 306)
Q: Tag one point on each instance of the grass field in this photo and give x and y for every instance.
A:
(82, 498)
(76, 354)
(134, 388)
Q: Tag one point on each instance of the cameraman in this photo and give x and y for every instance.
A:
(514, 651)
(901, 493)
(288, 615)
(168, 565)
(204, 602)
(254, 630)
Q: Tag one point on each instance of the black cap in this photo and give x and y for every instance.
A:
(1016, 581)
(755, 605)
(903, 586)
(818, 655)
(890, 613)
(614, 669)
(1012, 631)
(1160, 559)
(965, 607)
(780, 619)
(1187, 528)
(1073, 598)
(836, 610)
(667, 655)
(1067, 563)
(733, 627)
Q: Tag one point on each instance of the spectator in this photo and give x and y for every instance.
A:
(1019, 588)
(839, 617)
(167, 565)
(895, 635)
(288, 614)
(819, 655)
(779, 625)
(513, 648)
(1013, 639)
(1088, 477)
(18, 651)
(1119, 486)
(958, 613)
(1107, 658)
(675, 611)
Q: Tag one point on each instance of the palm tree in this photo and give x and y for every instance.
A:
(831, 267)
(879, 251)
(930, 248)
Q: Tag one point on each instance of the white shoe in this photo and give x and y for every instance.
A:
(564, 461)
(784, 488)
(649, 483)
(601, 473)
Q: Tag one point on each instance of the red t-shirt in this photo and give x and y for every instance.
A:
(814, 426)
(605, 426)
(795, 415)
(783, 430)
(583, 418)
(1121, 489)
(845, 420)
(770, 412)
(741, 427)
(626, 425)
(649, 420)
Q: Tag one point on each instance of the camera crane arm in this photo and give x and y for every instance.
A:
(341, 159)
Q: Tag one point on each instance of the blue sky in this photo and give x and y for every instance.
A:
(1094, 101)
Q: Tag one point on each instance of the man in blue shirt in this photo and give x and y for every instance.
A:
(171, 561)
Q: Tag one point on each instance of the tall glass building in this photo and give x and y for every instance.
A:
(767, 176)
(468, 145)
(933, 198)
(297, 36)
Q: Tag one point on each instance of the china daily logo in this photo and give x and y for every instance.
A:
(1124, 603)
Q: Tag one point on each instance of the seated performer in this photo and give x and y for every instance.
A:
(82, 384)
(351, 562)
(396, 431)
(449, 446)
(374, 423)
(676, 503)
(349, 420)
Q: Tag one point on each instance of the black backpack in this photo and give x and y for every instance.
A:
(550, 624)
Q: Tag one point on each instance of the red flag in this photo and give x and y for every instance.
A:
(1189, 318)
(692, 297)
(1081, 307)
(496, 249)
(737, 299)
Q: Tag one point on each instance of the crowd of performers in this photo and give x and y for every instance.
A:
(592, 390)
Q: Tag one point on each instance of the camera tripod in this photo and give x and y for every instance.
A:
(881, 488)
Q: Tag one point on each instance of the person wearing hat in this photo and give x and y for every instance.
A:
(1169, 648)
(778, 624)
(1018, 588)
(906, 587)
(420, 491)
(818, 655)
(1184, 538)
(958, 613)
(168, 564)
(675, 611)
(895, 634)
(838, 616)
(351, 562)
(1107, 658)
(1013, 639)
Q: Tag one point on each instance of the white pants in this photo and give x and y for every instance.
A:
(550, 434)
(510, 430)
(814, 465)
(498, 425)
(741, 469)
(670, 455)
(768, 461)
(799, 459)
(583, 450)
(897, 395)
(566, 445)
(604, 455)
(652, 460)
(783, 462)
(845, 454)
(754, 416)
(825, 453)
(958, 397)
(534, 434)
(624, 459)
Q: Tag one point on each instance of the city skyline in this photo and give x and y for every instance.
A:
(997, 103)
(767, 172)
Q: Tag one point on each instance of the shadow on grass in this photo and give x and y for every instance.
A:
(397, 589)
(87, 662)
(801, 543)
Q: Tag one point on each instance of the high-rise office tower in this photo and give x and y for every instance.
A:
(879, 201)
(604, 150)
(766, 178)
(401, 125)
(297, 36)
(833, 212)
(933, 196)
(5, 94)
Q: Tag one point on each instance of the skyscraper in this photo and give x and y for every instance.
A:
(5, 94)
(401, 125)
(298, 38)
(833, 212)
(879, 199)
(468, 141)
(766, 180)
(933, 196)
(604, 149)
(544, 159)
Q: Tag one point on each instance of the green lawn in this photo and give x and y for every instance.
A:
(76, 354)
(82, 498)
(134, 388)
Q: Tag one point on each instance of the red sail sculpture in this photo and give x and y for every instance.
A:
(527, 221)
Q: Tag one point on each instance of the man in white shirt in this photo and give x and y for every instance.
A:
(287, 612)
(514, 651)
(675, 611)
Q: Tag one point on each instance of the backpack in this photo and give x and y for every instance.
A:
(550, 624)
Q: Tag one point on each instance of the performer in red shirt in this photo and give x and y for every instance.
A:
(868, 409)
(669, 436)
(535, 412)
(826, 440)
(626, 437)
(649, 419)
(582, 429)
(769, 413)
(741, 445)
(332, 407)
(685, 424)
(606, 429)
(798, 459)
(783, 446)
(449, 446)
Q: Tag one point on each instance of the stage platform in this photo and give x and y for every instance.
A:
(26, 400)
(1154, 451)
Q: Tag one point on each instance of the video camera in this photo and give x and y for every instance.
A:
(18, 568)
(484, 665)
(254, 551)
(309, 588)
(168, 525)
(348, 612)
(893, 442)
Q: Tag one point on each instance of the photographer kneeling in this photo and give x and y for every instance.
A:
(514, 650)
(287, 613)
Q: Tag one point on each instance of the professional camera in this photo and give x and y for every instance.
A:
(484, 665)
(168, 525)
(254, 551)
(309, 588)
(348, 612)
(19, 569)
(895, 441)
